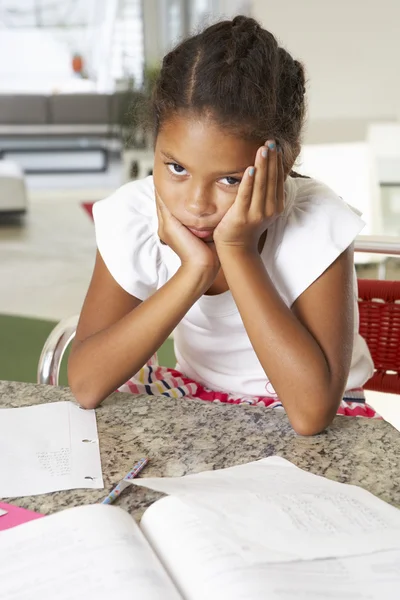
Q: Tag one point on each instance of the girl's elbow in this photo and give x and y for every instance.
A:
(307, 427)
(86, 398)
(83, 386)
(312, 424)
(86, 395)
(87, 402)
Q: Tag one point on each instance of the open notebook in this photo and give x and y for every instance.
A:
(178, 553)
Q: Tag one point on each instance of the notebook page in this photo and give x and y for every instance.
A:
(88, 552)
(203, 566)
(270, 508)
(48, 447)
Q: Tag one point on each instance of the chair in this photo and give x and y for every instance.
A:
(54, 350)
(379, 306)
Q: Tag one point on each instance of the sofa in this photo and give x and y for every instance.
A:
(84, 122)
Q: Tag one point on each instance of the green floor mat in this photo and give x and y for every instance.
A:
(22, 340)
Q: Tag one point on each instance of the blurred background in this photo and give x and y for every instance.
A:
(71, 72)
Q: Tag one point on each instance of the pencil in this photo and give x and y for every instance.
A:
(113, 495)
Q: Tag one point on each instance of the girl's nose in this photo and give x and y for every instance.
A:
(199, 204)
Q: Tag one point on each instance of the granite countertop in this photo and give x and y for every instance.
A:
(185, 436)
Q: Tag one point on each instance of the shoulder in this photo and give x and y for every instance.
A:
(315, 228)
(135, 197)
(313, 197)
(131, 208)
(126, 235)
(315, 214)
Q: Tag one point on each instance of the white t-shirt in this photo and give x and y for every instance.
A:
(211, 343)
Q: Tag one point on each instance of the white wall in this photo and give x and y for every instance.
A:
(351, 49)
(33, 61)
(230, 8)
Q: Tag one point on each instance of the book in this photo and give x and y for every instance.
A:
(179, 552)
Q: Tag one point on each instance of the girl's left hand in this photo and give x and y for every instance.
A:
(259, 201)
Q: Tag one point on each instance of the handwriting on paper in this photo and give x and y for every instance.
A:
(57, 462)
(44, 449)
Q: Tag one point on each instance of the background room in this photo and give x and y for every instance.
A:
(71, 73)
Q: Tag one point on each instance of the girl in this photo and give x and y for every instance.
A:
(251, 265)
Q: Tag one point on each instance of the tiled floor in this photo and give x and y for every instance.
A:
(46, 259)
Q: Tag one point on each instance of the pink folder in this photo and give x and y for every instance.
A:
(16, 516)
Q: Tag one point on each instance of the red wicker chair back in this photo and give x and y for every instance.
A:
(379, 305)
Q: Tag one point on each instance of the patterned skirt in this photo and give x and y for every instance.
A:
(155, 380)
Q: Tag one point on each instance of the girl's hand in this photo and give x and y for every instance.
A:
(259, 201)
(190, 249)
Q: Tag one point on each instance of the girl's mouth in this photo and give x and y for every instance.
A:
(201, 233)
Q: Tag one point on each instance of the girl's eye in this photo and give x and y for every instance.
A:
(230, 181)
(176, 169)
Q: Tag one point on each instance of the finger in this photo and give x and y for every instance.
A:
(272, 177)
(160, 204)
(159, 208)
(245, 191)
(257, 207)
(162, 207)
(280, 188)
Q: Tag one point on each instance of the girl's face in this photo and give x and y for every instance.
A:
(197, 170)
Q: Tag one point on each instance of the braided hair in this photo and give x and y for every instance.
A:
(236, 73)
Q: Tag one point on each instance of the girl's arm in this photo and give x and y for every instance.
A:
(305, 350)
(117, 333)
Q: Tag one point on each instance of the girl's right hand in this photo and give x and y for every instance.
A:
(190, 249)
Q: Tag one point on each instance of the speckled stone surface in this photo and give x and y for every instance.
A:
(182, 436)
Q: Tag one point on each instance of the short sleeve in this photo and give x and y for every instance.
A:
(314, 230)
(126, 237)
